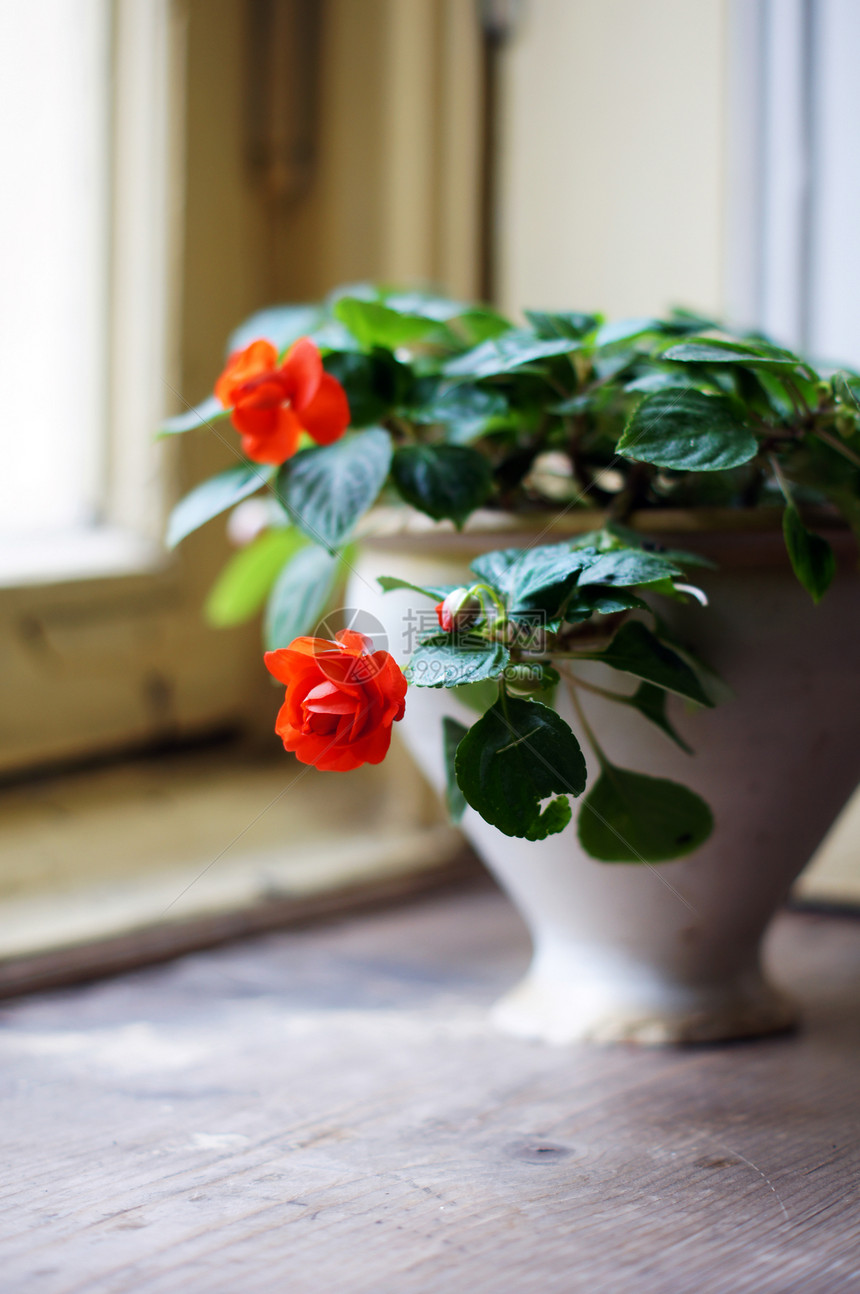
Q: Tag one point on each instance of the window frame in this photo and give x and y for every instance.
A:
(791, 254)
(121, 657)
(106, 648)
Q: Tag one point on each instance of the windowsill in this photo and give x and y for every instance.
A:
(143, 860)
(85, 553)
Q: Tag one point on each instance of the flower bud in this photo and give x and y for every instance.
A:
(459, 610)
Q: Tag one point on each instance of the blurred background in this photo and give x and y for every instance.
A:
(173, 165)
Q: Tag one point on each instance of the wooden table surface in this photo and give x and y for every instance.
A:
(327, 1110)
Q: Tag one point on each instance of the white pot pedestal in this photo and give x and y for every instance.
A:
(668, 953)
(596, 997)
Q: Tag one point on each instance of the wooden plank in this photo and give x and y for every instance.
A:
(329, 1110)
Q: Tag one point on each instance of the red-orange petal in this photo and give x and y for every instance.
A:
(265, 391)
(373, 748)
(303, 371)
(281, 663)
(307, 646)
(243, 365)
(353, 642)
(391, 682)
(327, 698)
(326, 418)
(285, 728)
(268, 435)
(325, 752)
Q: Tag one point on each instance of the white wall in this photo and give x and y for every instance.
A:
(613, 156)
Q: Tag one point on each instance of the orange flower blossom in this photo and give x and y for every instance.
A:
(341, 700)
(271, 404)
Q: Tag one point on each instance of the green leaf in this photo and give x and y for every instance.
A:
(610, 362)
(374, 324)
(453, 733)
(626, 567)
(666, 588)
(811, 556)
(629, 817)
(605, 602)
(328, 488)
(635, 650)
(372, 383)
(281, 325)
(436, 592)
(425, 305)
(520, 753)
(476, 322)
(689, 431)
(300, 596)
(660, 380)
(241, 588)
(566, 323)
(710, 350)
(332, 337)
(715, 686)
(361, 291)
(480, 323)
(511, 350)
(684, 322)
(442, 480)
(213, 497)
(614, 531)
(446, 660)
(846, 387)
(466, 409)
(609, 334)
(541, 569)
(209, 410)
(650, 701)
(498, 568)
(577, 403)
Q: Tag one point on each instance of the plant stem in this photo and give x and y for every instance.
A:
(503, 698)
(796, 397)
(481, 590)
(557, 386)
(780, 479)
(401, 427)
(600, 691)
(838, 446)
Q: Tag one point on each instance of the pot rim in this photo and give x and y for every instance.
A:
(732, 536)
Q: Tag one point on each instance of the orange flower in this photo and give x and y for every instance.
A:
(341, 700)
(272, 405)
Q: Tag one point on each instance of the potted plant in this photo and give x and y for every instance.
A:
(535, 518)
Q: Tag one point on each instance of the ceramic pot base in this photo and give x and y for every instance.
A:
(546, 1012)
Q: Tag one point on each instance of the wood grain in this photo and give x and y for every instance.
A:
(328, 1110)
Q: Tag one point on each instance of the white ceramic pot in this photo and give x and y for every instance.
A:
(670, 952)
